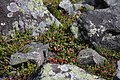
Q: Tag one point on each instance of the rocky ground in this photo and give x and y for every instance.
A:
(59, 40)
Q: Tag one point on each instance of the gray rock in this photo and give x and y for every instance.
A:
(101, 27)
(64, 72)
(111, 2)
(73, 9)
(90, 57)
(23, 15)
(117, 76)
(35, 51)
(98, 4)
(67, 5)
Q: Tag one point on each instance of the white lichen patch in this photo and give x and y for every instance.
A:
(74, 30)
(15, 25)
(2, 24)
(63, 68)
(108, 37)
(47, 69)
(93, 30)
(73, 75)
(13, 7)
(51, 73)
(102, 29)
(10, 14)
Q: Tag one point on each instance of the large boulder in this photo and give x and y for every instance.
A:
(34, 52)
(90, 57)
(25, 14)
(63, 72)
(101, 27)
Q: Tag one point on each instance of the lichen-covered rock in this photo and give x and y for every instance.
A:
(35, 51)
(117, 76)
(101, 27)
(73, 9)
(64, 72)
(90, 57)
(25, 14)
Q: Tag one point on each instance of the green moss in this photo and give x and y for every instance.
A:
(25, 49)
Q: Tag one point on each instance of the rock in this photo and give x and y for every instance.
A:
(67, 5)
(90, 57)
(73, 9)
(111, 2)
(101, 27)
(35, 51)
(64, 72)
(117, 76)
(22, 15)
(2, 79)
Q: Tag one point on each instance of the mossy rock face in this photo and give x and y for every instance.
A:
(25, 14)
(65, 72)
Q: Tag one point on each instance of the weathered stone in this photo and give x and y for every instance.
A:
(64, 72)
(90, 57)
(111, 2)
(117, 76)
(35, 51)
(73, 9)
(23, 15)
(67, 5)
(2, 79)
(101, 27)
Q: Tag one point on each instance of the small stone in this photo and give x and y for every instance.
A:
(90, 57)
(34, 51)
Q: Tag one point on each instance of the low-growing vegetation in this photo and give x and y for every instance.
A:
(61, 42)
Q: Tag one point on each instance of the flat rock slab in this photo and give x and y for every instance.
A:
(64, 72)
(25, 14)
